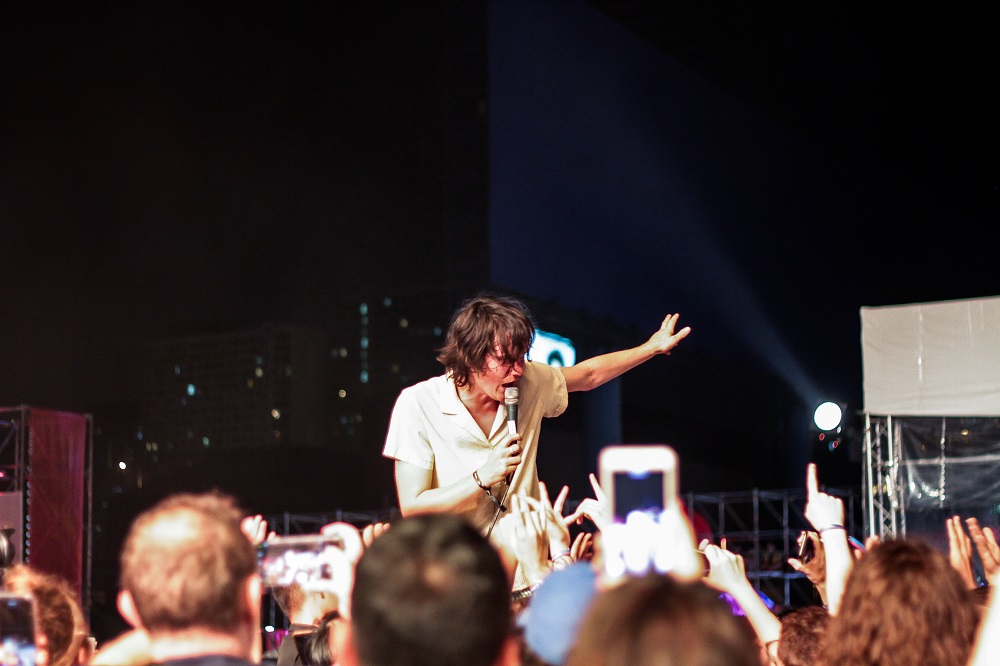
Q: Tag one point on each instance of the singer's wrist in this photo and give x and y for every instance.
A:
(479, 481)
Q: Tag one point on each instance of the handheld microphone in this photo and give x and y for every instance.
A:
(510, 395)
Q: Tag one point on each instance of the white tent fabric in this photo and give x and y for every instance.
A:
(932, 359)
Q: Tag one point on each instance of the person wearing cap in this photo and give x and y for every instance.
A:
(448, 435)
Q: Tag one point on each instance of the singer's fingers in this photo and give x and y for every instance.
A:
(812, 485)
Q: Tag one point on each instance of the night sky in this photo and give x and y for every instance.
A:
(168, 168)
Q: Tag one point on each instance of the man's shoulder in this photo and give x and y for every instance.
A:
(542, 374)
(427, 390)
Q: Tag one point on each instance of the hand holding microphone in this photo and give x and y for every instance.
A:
(510, 398)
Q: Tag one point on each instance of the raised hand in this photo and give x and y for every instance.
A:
(370, 532)
(597, 509)
(822, 510)
(583, 547)
(255, 528)
(525, 533)
(960, 551)
(726, 570)
(814, 569)
(557, 526)
(826, 513)
(988, 549)
(665, 338)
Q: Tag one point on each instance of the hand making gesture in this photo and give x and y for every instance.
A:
(826, 513)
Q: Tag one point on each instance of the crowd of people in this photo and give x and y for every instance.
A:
(486, 568)
(431, 588)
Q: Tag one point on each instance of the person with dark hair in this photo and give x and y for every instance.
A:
(320, 647)
(660, 620)
(189, 580)
(448, 434)
(307, 611)
(431, 591)
(57, 608)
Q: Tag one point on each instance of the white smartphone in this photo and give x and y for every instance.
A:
(17, 629)
(638, 477)
(309, 560)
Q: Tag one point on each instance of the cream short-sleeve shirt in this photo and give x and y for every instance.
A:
(432, 429)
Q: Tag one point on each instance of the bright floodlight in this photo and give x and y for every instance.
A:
(827, 416)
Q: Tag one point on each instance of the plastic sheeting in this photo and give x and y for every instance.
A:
(949, 462)
(932, 359)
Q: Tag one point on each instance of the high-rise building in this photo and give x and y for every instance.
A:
(262, 388)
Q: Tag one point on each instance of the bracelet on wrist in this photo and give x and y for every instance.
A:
(831, 527)
(479, 482)
(562, 562)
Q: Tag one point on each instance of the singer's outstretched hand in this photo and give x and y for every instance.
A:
(597, 370)
(666, 339)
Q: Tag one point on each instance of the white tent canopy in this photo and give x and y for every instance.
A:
(932, 359)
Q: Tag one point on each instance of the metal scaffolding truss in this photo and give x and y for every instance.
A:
(881, 481)
(287, 524)
(762, 526)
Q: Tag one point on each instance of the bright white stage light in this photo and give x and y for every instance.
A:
(828, 416)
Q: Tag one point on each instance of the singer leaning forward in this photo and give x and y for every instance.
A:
(455, 435)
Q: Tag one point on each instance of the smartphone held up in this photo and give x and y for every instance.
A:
(17, 630)
(650, 530)
(638, 477)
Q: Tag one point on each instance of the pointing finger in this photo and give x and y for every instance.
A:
(812, 485)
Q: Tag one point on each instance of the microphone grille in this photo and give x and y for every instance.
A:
(510, 395)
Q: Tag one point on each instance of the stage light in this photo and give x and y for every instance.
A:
(828, 416)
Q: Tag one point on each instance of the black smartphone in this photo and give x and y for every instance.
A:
(807, 550)
(17, 630)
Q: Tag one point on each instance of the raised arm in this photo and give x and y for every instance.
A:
(727, 573)
(826, 513)
(598, 370)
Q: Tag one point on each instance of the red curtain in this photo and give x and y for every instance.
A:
(57, 452)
